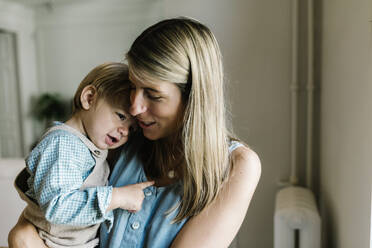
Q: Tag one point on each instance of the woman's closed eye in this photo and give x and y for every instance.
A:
(150, 93)
(152, 97)
(121, 116)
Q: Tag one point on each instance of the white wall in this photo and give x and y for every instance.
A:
(73, 38)
(346, 122)
(20, 20)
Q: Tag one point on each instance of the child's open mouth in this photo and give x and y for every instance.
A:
(110, 140)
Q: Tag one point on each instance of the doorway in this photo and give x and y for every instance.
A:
(11, 138)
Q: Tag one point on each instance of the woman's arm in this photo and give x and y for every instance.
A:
(24, 235)
(217, 224)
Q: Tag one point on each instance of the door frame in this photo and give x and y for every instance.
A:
(19, 19)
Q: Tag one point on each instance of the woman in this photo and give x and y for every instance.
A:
(204, 177)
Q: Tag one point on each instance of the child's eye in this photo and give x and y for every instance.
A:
(121, 116)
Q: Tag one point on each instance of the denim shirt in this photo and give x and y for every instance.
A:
(152, 226)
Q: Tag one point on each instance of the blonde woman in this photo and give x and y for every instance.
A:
(205, 178)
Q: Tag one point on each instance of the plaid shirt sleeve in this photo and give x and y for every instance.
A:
(58, 166)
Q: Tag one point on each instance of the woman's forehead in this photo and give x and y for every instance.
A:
(152, 83)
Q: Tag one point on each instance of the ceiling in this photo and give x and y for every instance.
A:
(39, 2)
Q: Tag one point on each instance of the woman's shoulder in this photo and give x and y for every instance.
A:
(244, 153)
(246, 164)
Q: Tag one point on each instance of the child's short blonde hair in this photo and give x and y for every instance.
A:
(111, 82)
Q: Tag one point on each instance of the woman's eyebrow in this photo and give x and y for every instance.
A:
(152, 89)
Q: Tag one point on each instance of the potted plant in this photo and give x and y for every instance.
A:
(49, 107)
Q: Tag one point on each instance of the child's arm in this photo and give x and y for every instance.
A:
(24, 234)
(60, 163)
(128, 197)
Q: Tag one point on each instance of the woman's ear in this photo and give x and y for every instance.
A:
(88, 97)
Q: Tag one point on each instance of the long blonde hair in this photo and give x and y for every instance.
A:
(185, 52)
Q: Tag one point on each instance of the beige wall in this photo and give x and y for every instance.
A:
(346, 123)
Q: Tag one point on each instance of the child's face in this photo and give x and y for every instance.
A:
(106, 126)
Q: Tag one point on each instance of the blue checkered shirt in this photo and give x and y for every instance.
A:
(58, 165)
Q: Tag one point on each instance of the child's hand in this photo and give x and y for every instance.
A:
(129, 197)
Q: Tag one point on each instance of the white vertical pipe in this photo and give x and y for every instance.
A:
(370, 217)
(294, 93)
(310, 94)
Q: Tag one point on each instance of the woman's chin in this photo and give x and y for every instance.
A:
(150, 136)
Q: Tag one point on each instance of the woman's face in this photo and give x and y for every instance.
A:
(157, 106)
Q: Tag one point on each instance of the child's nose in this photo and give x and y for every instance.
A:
(124, 130)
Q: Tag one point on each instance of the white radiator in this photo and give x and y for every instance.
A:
(295, 209)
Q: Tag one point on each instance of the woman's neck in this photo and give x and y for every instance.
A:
(168, 157)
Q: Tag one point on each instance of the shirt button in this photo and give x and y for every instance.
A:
(97, 152)
(135, 225)
(148, 193)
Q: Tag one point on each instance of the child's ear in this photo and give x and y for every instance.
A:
(88, 97)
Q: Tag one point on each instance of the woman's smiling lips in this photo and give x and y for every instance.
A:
(145, 124)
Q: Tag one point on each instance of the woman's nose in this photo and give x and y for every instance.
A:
(138, 105)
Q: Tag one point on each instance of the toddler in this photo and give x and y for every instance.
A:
(65, 180)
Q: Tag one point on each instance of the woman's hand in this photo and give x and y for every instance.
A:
(217, 224)
(24, 235)
(129, 197)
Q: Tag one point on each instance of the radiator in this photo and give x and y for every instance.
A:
(295, 209)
